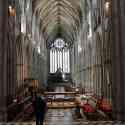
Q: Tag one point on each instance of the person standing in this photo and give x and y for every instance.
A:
(40, 107)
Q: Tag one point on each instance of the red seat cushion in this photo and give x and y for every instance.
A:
(29, 109)
(105, 106)
(88, 108)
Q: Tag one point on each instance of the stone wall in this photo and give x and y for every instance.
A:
(91, 55)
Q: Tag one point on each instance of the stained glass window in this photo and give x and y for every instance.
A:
(59, 56)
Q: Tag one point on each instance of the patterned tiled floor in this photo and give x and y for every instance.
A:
(65, 117)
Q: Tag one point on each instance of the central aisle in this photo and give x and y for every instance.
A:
(61, 117)
(66, 117)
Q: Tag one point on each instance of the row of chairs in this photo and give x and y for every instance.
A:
(101, 104)
(16, 109)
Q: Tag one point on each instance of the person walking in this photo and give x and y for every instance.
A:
(40, 107)
(77, 110)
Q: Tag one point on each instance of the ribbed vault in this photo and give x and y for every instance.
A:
(59, 18)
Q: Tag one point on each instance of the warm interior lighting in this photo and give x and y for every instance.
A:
(77, 90)
(107, 7)
(12, 11)
(10, 7)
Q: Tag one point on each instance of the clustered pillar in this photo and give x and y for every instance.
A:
(118, 54)
(3, 59)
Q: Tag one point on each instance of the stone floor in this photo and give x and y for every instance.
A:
(65, 117)
(73, 123)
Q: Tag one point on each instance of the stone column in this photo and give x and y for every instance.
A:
(118, 56)
(48, 61)
(11, 58)
(7, 60)
(3, 58)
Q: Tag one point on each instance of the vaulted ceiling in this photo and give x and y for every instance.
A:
(59, 18)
